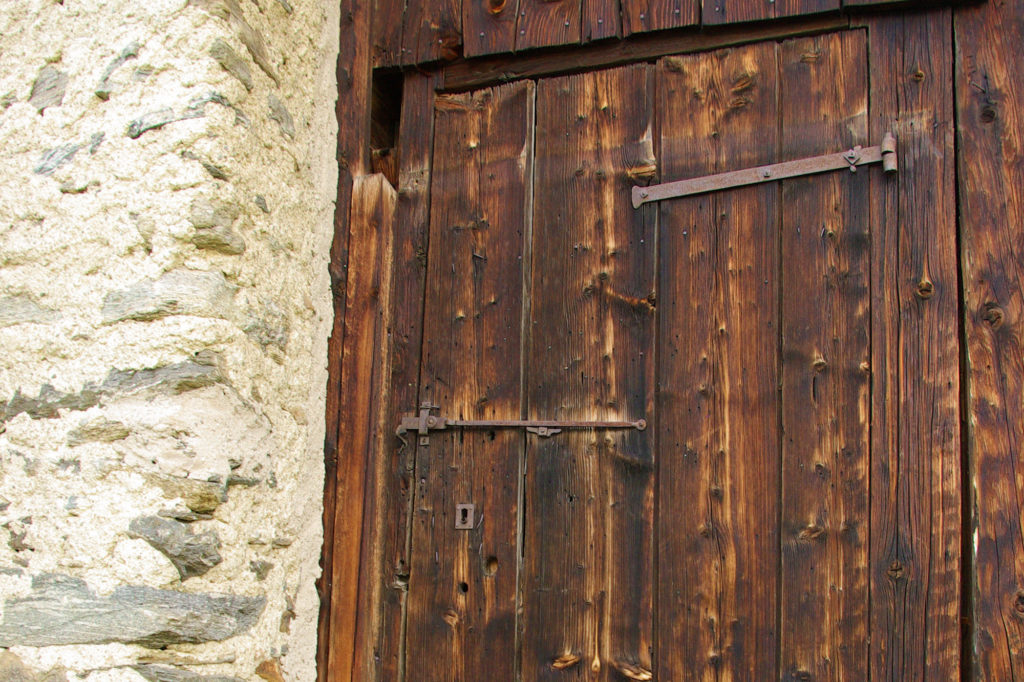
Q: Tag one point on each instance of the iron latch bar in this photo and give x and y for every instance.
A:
(426, 421)
(884, 153)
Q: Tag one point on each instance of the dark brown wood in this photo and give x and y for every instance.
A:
(364, 368)
(601, 19)
(589, 516)
(466, 75)
(718, 327)
(489, 26)
(792, 8)
(736, 11)
(915, 439)
(543, 23)
(990, 97)
(463, 584)
(352, 112)
(384, 580)
(387, 32)
(640, 16)
(431, 31)
(826, 385)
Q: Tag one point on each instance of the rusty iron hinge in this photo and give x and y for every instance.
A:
(884, 153)
(426, 421)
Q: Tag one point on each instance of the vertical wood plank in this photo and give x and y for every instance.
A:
(543, 23)
(363, 371)
(915, 469)
(384, 579)
(588, 566)
(601, 19)
(718, 419)
(489, 26)
(352, 112)
(990, 101)
(387, 32)
(431, 31)
(826, 385)
(463, 583)
(641, 16)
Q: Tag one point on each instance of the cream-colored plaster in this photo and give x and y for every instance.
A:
(118, 215)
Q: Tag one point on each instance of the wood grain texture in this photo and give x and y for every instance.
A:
(489, 26)
(990, 102)
(718, 327)
(488, 71)
(589, 516)
(794, 8)
(431, 31)
(384, 578)
(641, 16)
(826, 385)
(915, 440)
(716, 12)
(463, 584)
(364, 368)
(543, 23)
(601, 19)
(386, 46)
(352, 111)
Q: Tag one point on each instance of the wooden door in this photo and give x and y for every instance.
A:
(738, 536)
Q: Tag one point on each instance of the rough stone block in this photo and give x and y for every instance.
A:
(21, 309)
(48, 88)
(191, 553)
(231, 62)
(63, 610)
(163, 673)
(98, 430)
(178, 292)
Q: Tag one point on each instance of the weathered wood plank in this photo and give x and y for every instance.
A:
(589, 518)
(463, 583)
(384, 579)
(915, 440)
(363, 367)
(718, 420)
(387, 32)
(735, 11)
(794, 8)
(826, 388)
(543, 23)
(431, 31)
(640, 16)
(990, 102)
(352, 112)
(466, 75)
(489, 26)
(601, 19)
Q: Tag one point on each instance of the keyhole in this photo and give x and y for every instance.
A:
(463, 516)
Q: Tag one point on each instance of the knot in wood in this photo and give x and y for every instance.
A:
(925, 289)
(565, 661)
(1018, 604)
(895, 571)
(992, 315)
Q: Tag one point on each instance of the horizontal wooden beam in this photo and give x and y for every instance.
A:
(476, 73)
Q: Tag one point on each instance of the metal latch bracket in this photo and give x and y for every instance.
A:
(884, 153)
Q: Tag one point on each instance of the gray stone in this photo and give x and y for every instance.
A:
(78, 186)
(279, 113)
(21, 310)
(184, 515)
(201, 497)
(261, 568)
(220, 240)
(131, 51)
(95, 141)
(178, 292)
(176, 378)
(211, 168)
(287, 6)
(98, 430)
(261, 202)
(4, 503)
(205, 213)
(231, 62)
(63, 610)
(271, 328)
(231, 11)
(52, 159)
(7, 100)
(48, 89)
(151, 121)
(163, 673)
(191, 553)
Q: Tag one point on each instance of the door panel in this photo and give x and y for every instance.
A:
(718, 375)
(462, 584)
(588, 550)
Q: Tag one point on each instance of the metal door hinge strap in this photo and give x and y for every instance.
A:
(425, 422)
(884, 153)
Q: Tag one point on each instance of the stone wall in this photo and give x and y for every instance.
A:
(166, 208)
